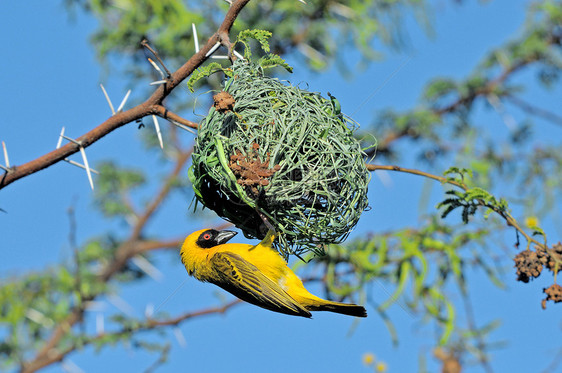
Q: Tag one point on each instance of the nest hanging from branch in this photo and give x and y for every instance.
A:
(271, 155)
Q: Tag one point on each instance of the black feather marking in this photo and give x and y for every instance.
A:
(207, 239)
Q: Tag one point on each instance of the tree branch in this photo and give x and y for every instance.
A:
(52, 356)
(150, 106)
(510, 220)
(164, 113)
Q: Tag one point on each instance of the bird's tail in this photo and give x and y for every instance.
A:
(337, 307)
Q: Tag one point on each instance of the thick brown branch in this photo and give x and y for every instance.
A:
(140, 111)
(85, 140)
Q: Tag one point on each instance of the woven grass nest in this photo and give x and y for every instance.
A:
(271, 155)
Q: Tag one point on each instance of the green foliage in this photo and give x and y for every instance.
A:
(316, 28)
(267, 61)
(273, 60)
(205, 72)
(469, 201)
(36, 303)
(462, 174)
(418, 264)
(261, 36)
(439, 88)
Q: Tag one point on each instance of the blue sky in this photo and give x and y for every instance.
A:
(50, 78)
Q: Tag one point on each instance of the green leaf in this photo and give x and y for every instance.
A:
(203, 72)
(272, 60)
(261, 36)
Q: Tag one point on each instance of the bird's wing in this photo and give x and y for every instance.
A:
(247, 282)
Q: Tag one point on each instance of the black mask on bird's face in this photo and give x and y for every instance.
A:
(212, 237)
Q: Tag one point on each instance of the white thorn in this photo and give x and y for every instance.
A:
(39, 318)
(507, 118)
(99, 323)
(213, 49)
(180, 337)
(60, 138)
(131, 219)
(238, 54)
(84, 166)
(195, 39)
(157, 68)
(385, 178)
(220, 57)
(70, 366)
(108, 100)
(71, 140)
(80, 165)
(310, 52)
(124, 101)
(6, 159)
(147, 267)
(230, 1)
(157, 126)
(185, 128)
(149, 310)
(304, 2)
(159, 82)
(342, 10)
(120, 304)
(87, 166)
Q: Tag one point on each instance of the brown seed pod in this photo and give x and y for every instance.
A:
(528, 265)
(553, 293)
(550, 257)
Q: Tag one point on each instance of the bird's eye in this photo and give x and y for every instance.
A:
(207, 236)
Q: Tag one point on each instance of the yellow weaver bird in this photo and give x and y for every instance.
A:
(256, 274)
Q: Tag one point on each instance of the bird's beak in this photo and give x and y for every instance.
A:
(224, 236)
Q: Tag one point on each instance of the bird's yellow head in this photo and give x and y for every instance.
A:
(195, 248)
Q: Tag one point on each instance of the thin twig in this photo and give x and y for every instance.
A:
(504, 214)
(145, 44)
(164, 113)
